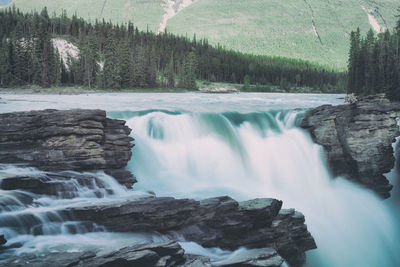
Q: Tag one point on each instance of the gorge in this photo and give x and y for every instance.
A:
(247, 146)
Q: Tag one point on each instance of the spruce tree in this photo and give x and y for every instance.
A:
(140, 67)
(151, 68)
(5, 64)
(126, 64)
(353, 82)
(44, 48)
(189, 71)
(90, 54)
(111, 70)
(170, 73)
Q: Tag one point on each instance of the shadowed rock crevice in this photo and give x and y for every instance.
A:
(358, 139)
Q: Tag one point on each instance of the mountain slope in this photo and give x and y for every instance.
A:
(315, 30)
(145, 14)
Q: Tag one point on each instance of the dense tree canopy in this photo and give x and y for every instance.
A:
(120, 56)
(374, 63)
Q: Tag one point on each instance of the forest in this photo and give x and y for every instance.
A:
(374, 63)
(114, 56)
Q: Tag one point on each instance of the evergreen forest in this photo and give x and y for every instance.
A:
(114, 56)
(374, 63)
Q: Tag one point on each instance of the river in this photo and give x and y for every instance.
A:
(245, 145)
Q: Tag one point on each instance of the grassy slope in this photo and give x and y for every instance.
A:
(142, 12)
(280, 27)
(266, 27)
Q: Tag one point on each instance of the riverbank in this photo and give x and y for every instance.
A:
(203, 87)
(83, 90)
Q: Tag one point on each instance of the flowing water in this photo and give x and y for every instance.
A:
(201, 145)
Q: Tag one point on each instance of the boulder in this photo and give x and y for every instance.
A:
(65, 184)
(216, 222)
(196, 261)
(252, 258)
(163, 254)
(357, 139)
(75, 140)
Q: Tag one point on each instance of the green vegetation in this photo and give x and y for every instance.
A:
(374, 63)
(120, 56)
(144, 14)
(281, 28)
(259, 27)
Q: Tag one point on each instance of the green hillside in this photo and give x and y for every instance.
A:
(281, 27)
(144, 13)
(315, 30)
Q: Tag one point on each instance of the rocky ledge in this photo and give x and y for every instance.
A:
(216, 222)
(358, 139)
(164, 254)
(75, 140)
(271, 234)
(64, 143)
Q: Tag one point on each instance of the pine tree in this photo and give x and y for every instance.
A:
(170, 73)
(126, 64)
(369, 63)
(90, 54)
(111, 70)
(140, 67)
(5, 64)
(151, 68)
(64, 73)
(44, 48)
(56, 70)
(353, 80)
(189, 71)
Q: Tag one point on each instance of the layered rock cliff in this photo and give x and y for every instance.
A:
(358, 139)
(216, 222)
(272, 234)
(77, 140)
(66, 145)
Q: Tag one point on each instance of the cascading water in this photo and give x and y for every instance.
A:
(36, 223)
(264, 155)
(198, 145)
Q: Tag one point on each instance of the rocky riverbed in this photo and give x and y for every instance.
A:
(70, 192)
(70, 148)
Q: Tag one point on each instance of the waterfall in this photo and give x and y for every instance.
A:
(36, 223)
(190, 146)
(264, 154)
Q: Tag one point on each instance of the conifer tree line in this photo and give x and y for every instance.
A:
(374, 63)
(120, 56)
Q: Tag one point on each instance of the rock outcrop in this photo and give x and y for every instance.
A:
(64, 184)
(164, 254)
(2, 240)
(216, 222)
(77, 140)
(357, 139)
(70, 147)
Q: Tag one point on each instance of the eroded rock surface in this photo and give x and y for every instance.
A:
(70, 146)
(163, 254)
(77, 140)
(357, 139)
(216, 222)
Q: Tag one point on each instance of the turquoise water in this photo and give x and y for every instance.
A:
(247, 146)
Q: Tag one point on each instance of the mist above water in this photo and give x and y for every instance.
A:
(243, 145)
